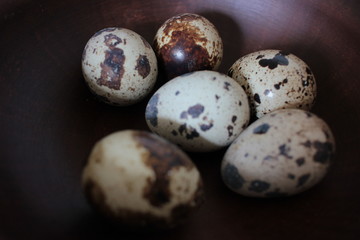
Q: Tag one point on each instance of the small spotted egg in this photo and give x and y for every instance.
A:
(200, 111)
(188, 42)
(283, 153)
(137, 179)
(119, 66)
(275, 80)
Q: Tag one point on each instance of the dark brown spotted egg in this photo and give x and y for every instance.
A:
(119, 66)
(273, 80)
(188, 42)
(200, 111)
(283, 153)
(138, 179)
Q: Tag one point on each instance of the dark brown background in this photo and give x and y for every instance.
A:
(49, 120)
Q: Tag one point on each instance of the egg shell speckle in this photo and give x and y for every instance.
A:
(188, 42)
(119, 66)
(138, 179)
(274, 79)
(200, 111)
(283, 153)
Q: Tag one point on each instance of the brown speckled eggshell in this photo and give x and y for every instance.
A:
(283, 153)
(274, 79)
(119, 66)
(139, 180)
(188, 42)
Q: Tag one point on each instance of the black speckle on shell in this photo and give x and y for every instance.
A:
(262, 129)
(188, 131)
(232, 177)
(257, 98)
(230, 130)
(324, 151)
(272, 63)
(291, 176)
(303, 179)
(259, 186)
(285, 151)
(233, 119)
(227, 86)
(300, 161)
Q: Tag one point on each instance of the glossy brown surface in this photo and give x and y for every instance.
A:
(186, 50)
(49, 120)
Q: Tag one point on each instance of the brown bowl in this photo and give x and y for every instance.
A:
(49, 120)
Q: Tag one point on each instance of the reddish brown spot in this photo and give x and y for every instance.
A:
(184, 52)
(111, 40)
(162, 157)
(143, 66)
(112, 69)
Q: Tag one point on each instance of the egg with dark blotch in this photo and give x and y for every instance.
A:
(283, 153)
(188, 42)
(139, 180)
(200, 111)
(275, 79)
(119, 66)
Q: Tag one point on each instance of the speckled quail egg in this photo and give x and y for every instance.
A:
(283, 153)
(137, 179)
(274, 79)
(119, 66)
(200, 111)
(188, 42)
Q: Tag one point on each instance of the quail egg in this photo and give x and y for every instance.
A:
(137, 179)
(119, 66)
(274, 79)
(283, 153)
(200, 111)
(188, 42)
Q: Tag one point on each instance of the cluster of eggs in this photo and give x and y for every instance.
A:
(140, 178)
